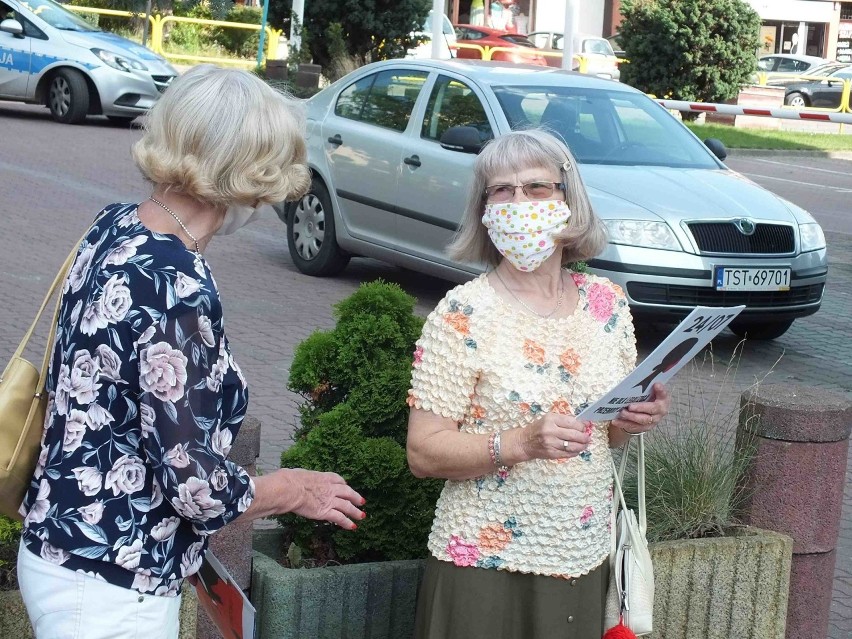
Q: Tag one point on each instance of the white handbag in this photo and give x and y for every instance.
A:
(630, 598)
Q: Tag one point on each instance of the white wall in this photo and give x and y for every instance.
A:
(795, 10)
(550, 16)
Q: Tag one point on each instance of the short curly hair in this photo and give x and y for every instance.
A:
(224, 136)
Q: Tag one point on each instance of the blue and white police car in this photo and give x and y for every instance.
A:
(50, 56)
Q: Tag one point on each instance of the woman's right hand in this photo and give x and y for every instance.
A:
(325, 497)
(553, 436)
(307, 493)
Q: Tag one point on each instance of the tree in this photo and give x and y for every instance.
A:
(380, 29)
(696, 50)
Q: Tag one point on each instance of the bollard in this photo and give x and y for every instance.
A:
(232, 544)
(795, 486)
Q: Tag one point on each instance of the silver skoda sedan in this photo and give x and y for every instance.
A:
(391, 147)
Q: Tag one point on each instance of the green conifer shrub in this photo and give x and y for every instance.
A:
(355, 380)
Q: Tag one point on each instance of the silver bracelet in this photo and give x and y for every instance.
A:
(498, 457)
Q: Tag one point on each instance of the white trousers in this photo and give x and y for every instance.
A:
(64, 604)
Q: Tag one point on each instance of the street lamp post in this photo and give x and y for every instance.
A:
(437, 27)
(572, 19)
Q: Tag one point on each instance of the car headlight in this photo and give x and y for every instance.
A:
(118, 61)
(812, 236)
(656, 235)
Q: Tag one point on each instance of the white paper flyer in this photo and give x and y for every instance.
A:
(687, 340)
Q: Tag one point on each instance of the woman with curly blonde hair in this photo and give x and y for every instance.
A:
(145, 397)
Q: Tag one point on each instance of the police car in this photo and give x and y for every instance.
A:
(51, 56)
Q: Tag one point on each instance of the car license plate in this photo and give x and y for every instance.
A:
(729, 278)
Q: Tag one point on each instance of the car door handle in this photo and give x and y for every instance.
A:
(336, 139)
(412, 161)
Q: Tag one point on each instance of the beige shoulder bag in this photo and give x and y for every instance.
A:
(23, 403)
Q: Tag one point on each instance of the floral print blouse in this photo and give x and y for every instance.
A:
(144, 403)
(491, 366)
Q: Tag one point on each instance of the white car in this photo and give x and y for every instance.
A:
(788, 63)
(391, 148)
(51, 56)
(423, 51)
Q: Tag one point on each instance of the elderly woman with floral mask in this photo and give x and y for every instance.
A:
(145, 395)
(522, 528)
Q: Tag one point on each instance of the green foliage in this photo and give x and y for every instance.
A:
(697, 50)
(355, 379)
(693, 465)
(10, 535)
(379, 29)
(240, 42)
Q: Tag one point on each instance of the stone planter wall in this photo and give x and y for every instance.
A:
(358, 601)
(15, 624)
(721, 588)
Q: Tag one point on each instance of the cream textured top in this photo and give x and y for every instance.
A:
(493, 367)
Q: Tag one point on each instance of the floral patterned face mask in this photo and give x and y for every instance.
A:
(524, 232)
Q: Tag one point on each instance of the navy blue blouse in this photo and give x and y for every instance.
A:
(144, 403)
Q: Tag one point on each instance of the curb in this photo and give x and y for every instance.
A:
(834, 155)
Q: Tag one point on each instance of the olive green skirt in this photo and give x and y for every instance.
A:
(473, 603)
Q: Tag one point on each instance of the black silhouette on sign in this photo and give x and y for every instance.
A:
(668, 362)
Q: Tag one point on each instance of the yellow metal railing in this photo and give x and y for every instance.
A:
(486, 53)
(157, 35)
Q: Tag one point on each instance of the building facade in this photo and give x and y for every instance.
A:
(810, 27)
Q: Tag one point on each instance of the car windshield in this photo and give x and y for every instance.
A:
(602, 126)
(58, 16)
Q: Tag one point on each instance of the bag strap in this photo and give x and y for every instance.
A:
(618, 478)
(57, 282)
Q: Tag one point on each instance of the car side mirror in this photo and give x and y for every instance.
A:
(12, 26)
(716, 148)
(465, 139)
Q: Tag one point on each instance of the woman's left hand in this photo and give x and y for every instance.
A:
(642, 417)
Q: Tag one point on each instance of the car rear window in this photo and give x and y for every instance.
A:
(598, 46)
(517, 39)
(384, 99)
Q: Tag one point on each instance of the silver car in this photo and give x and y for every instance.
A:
(391, 147)
(50, 56)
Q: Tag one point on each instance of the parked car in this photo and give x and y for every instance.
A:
(522, 50)
(819, 93)
(600, 57)
(819, 71)
(447, 46)
(778, 63)
(50, 56)
(391, 146)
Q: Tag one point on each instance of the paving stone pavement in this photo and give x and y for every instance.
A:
(54, 178)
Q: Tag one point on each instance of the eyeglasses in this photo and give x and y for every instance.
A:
(533, 190)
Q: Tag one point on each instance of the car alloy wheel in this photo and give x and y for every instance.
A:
(797, 100)
(60, 96)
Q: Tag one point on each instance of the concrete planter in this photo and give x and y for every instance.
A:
(719, 588)
(725, 587)
(14, 621)
(374, 600)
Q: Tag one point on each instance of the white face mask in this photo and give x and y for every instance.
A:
(236, 217)
(524, 232)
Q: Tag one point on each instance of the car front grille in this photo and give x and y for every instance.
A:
(676, 295)
(162, 82)
(725, 237)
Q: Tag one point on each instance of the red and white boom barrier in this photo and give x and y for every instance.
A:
(783, 113)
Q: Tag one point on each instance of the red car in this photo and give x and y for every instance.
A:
(523, 51)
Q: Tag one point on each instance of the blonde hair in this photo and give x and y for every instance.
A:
(585, 236)
(224, 136)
